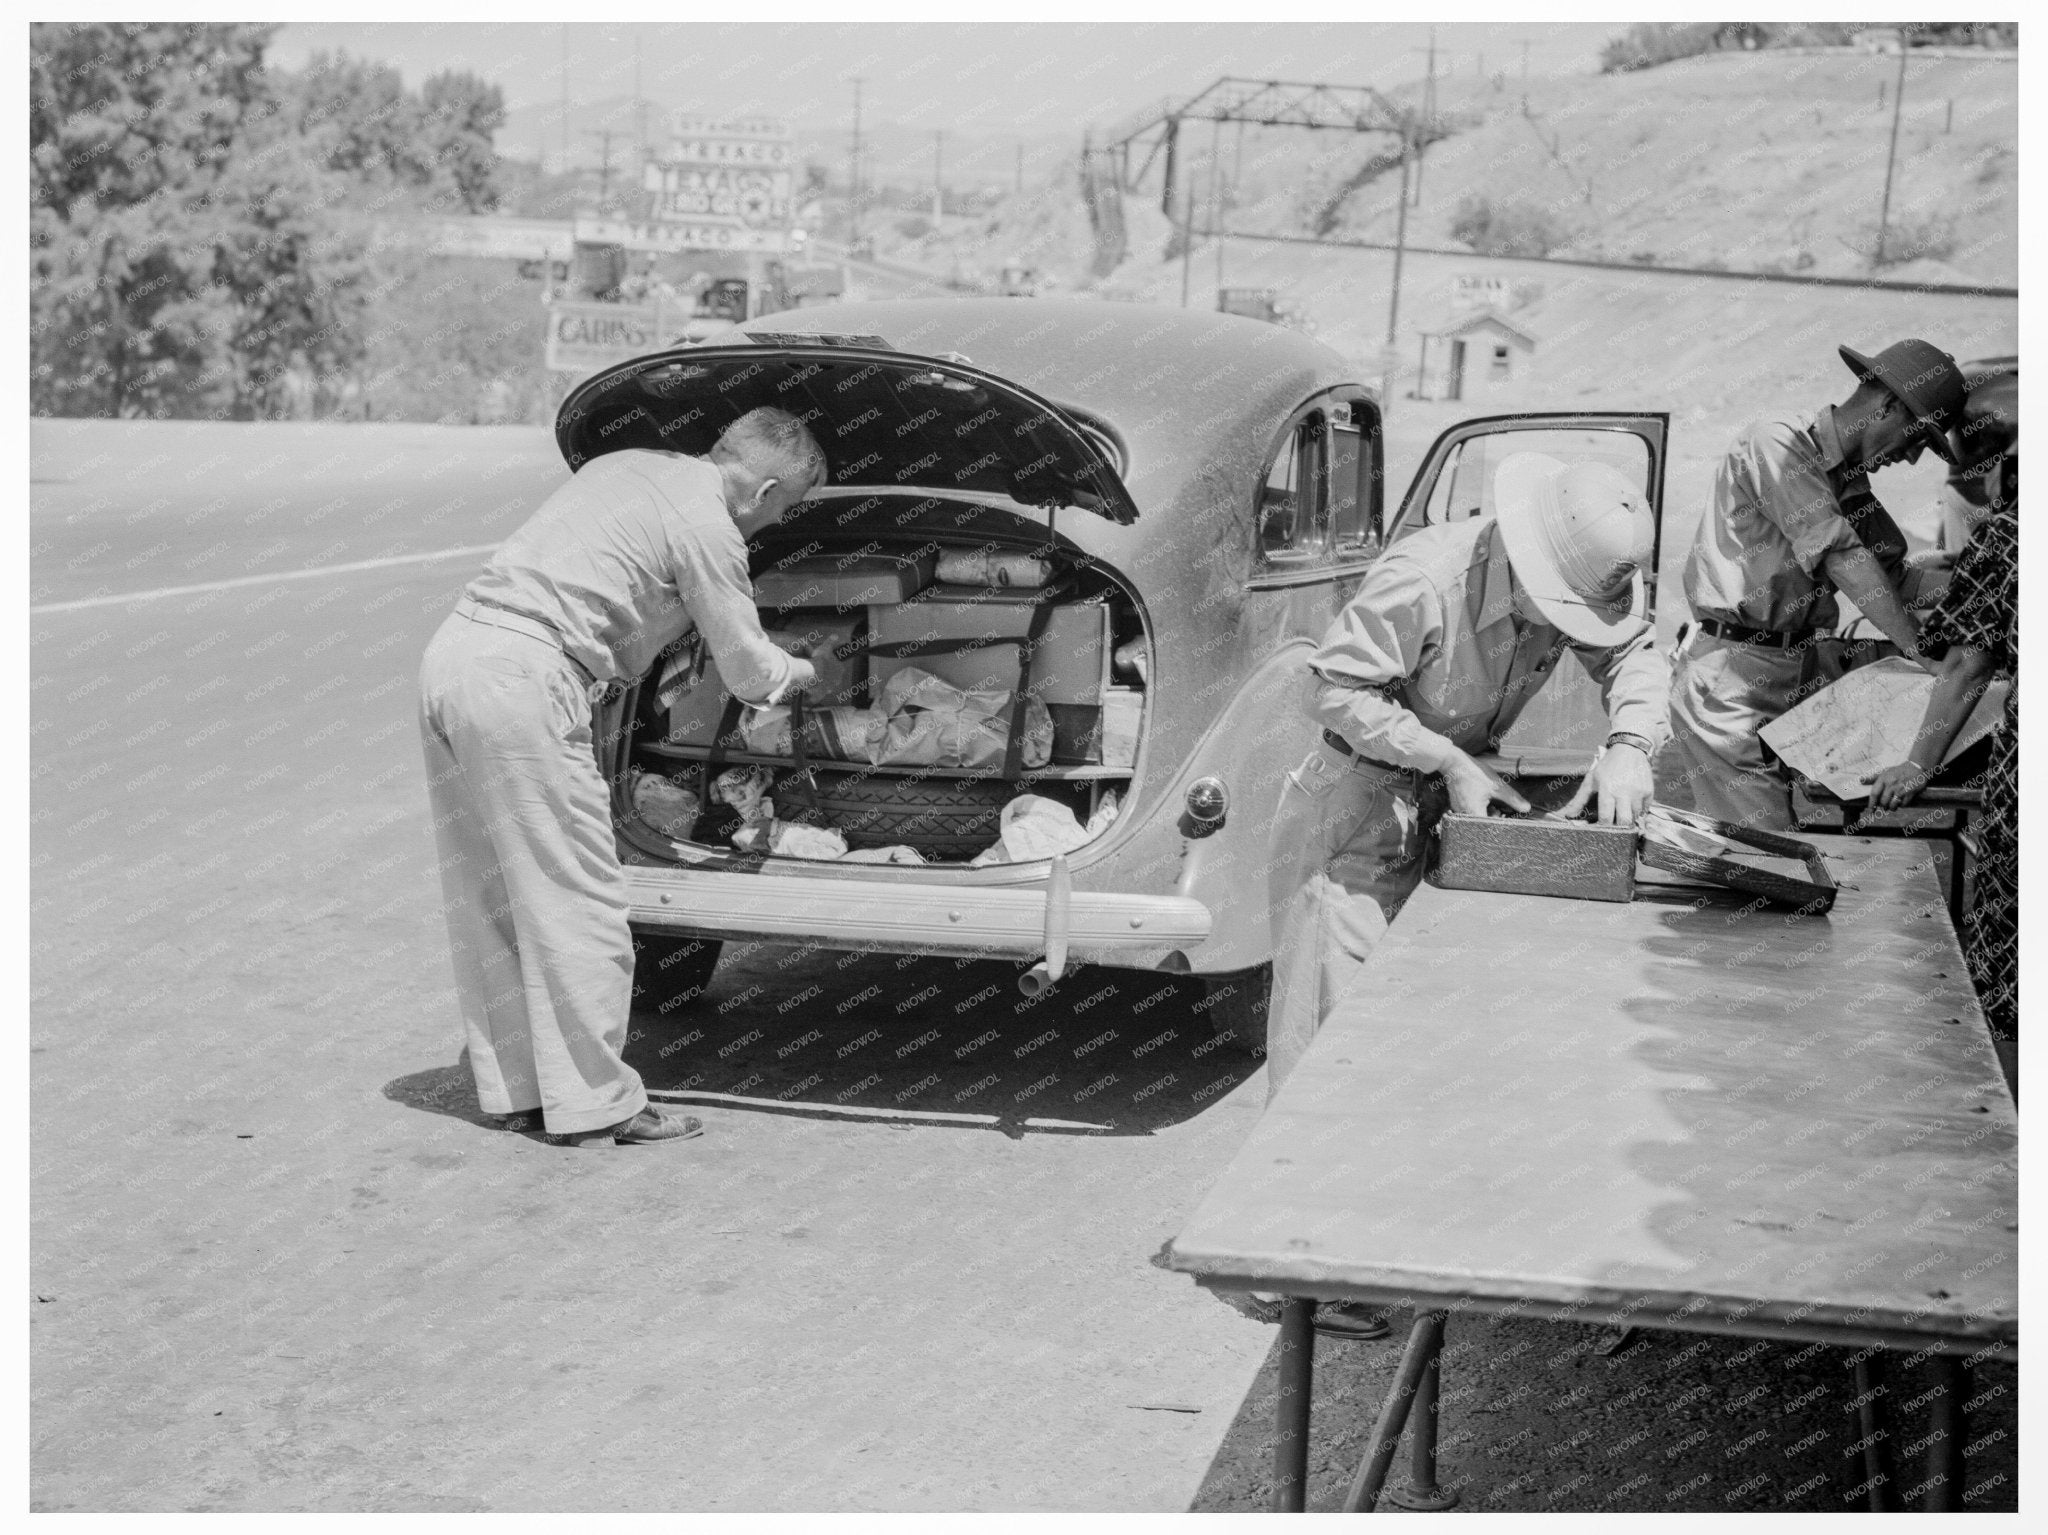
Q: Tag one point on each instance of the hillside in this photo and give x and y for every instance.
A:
(1714, 352)
(1767, 161)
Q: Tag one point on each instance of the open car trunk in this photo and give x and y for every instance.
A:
(980, 700)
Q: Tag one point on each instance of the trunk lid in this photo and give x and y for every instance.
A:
(887, 420)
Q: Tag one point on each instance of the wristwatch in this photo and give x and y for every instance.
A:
(1630, 738)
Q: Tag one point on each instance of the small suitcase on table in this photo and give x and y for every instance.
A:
(1536, 855)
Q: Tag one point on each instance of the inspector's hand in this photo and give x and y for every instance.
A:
(1473, 788)
(1893, 786)
(803, 678)
(1622, 779)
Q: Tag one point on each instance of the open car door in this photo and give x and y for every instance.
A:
(1564, 724)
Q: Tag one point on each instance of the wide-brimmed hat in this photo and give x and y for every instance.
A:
(1578, 536)
(1926, 381)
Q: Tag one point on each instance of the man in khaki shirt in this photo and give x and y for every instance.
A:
(1792, 522)
(1450, 635)
(638, 548)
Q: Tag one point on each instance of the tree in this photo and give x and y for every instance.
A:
(461, 115)
(124, 122)
(288, 278)
(362, 118)
(369, 126)
(186, 252)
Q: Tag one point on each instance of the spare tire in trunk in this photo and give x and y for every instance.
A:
(950, 819)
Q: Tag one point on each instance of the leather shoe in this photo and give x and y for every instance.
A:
(1351, 1319)
(522, 1120)
(649, 1127)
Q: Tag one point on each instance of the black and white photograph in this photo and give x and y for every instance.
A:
(1236, 763)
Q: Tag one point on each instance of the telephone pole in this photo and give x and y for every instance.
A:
(565, 98)
(1428, 111)
(639, 114)
(938, 178)
(853, 193)
(1390, 359)
(1884, 212)
(604, 172)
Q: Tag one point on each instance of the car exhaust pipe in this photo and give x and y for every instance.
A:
(1059, 890)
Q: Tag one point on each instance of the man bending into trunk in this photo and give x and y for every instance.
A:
(639, 547)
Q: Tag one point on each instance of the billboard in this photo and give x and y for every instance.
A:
(724, 184)
(584, 337)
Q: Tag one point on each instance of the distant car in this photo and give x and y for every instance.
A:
(1206, 493)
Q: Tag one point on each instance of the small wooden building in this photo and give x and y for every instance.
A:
(1472, 358)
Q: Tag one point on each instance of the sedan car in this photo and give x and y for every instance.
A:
(1179, 503)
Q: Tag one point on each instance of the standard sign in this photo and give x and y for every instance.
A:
(725, 184)
(584, 337)
(1479, 293)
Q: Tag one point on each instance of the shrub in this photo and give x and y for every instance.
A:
(1649, 43)
(1932, 238)
(1507, 229)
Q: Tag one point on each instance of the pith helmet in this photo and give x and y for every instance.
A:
(1578, 536)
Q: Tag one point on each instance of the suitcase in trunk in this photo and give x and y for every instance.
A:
(972, 637)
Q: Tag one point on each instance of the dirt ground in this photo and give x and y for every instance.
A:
(279, 1261)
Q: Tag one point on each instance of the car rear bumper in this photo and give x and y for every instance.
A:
(910, 917)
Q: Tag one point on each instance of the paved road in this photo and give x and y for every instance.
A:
(287, 1264)
(279, 1261)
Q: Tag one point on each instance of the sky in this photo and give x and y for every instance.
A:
(1018, 80)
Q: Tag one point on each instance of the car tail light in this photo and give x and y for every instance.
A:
(1208, 803)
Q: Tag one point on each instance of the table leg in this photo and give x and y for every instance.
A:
(1422, 1492)
(1290, 1430)
(1425, 1342)
(1870, 1432)
(1945, 1453)
(1956, 853)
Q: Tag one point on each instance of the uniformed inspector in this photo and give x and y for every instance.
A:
(1451, 633)
(637, 549)
(1792, 522)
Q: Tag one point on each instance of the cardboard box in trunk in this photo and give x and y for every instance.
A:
(1084, 734)
(842, 679)
(971, 637)
(842, 583)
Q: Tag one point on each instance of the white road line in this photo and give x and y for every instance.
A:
(281, 575)
(689, 1095)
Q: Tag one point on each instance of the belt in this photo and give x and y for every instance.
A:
(1769, 639)
(479, 611)
(1337, 743)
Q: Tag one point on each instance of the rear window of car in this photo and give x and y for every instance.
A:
(1315, 501)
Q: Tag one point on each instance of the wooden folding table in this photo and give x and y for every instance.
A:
(1682, 1111)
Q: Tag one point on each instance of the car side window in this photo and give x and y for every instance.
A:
(1464, 485)
(1353, 534)
(1293, 511)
